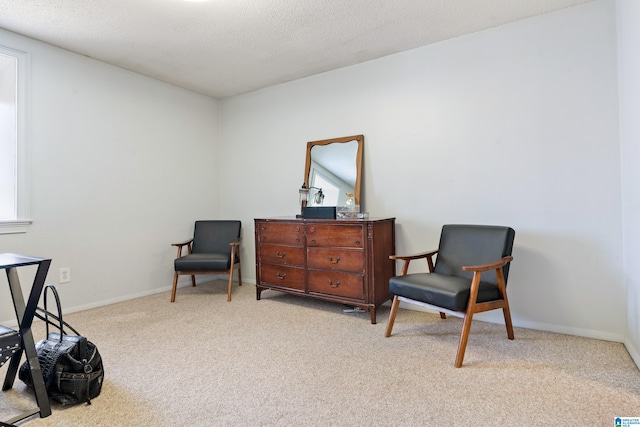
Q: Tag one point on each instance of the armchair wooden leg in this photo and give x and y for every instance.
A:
(502, 287)
(175, 286)
(392, 315)
(464, 337)
(443, 315)
(507, 321)
(230, 283)
(239, 276)
(193, 280)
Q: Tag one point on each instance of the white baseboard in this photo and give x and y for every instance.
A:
(633, 352)
(13, 323)
(496, 317)
(182, 282)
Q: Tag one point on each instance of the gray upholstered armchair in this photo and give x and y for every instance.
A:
(469, 276)
(214, 249)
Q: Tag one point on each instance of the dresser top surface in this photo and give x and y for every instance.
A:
(333, 221)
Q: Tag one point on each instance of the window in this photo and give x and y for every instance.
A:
(14, 191)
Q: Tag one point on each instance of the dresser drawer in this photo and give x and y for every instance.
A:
(334, 283)
(348, 236)
(280, 275)
(342, 261)
(281, 254)
(269, 232)
(339, 259)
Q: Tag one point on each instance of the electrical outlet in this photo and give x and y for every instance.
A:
(65, 275)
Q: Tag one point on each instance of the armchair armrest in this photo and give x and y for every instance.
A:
(235, 248)
(186, 242)
(408, 258)
(491, 266)
(180, 245)
(475, 282)
(411, 257)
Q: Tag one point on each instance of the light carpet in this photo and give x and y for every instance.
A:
(287, 360)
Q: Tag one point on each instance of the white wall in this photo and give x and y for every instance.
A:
(516, 125)
(628, 13)
(121, 166)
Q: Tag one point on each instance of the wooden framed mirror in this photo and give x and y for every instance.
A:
(335, 165)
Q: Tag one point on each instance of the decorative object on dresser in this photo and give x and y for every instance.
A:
(470, 276)
(305, 197)
(344, 261)
(213, 249)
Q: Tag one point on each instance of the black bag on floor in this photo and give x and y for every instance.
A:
(71, 365)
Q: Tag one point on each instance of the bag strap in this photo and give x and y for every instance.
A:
(47, 312)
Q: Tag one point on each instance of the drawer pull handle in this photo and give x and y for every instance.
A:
(332, 285)
(312, 229)
(281, 276)
(298, 228)
(313, 241)
(334, 262)
(357, 242)
(281, 255)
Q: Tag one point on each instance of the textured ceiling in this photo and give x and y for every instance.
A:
(223, 48)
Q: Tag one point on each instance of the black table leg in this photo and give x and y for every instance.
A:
(25, 316)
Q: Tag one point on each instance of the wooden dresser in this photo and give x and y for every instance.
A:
(345, 261)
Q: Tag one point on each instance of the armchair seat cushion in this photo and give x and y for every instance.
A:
(450, 292)
(203, 262)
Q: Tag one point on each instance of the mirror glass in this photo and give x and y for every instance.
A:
(335, 166)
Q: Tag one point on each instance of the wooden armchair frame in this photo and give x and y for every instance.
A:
(235, 254)
(472, 306)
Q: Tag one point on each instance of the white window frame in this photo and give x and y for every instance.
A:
(22, 221)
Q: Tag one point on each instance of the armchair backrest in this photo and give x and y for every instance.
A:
(462, 244)
(212, 237)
